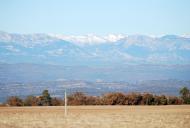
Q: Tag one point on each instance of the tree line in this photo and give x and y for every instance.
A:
(114, 98)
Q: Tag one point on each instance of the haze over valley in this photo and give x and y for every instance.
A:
(90, 62)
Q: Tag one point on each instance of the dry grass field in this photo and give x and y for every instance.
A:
(96, 117)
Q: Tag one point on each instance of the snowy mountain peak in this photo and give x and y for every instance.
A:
(90, 38)
(94, 49)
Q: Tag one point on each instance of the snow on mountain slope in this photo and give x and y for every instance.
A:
(94, 50)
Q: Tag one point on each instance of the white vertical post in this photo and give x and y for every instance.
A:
(65, 103)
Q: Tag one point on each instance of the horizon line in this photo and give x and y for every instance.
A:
(99, 35)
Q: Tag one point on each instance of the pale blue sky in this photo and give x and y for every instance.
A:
(101, 17)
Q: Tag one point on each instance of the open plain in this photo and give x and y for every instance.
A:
(96, 117)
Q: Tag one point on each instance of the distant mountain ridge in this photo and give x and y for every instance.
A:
(43, 57)
(94, 50)
(30, 63)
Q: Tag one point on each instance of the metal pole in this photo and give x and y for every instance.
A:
(65, 103)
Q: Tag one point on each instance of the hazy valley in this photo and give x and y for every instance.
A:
(93, 64)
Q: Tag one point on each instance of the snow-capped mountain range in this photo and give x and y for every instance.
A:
(94, 50)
